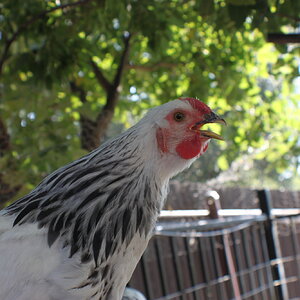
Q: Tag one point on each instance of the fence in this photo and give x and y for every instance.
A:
(253, 257)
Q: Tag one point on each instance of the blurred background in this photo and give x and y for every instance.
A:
(75, 73)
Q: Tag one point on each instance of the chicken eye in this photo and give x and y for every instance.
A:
(179, 116)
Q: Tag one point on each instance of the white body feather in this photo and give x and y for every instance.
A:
(37, 272)
(30, 269)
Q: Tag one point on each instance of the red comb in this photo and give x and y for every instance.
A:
(197, 104)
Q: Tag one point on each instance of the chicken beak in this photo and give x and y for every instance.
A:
(211, 135)
(209, 118)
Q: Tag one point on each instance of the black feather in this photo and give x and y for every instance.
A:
(94, 274)
(85, 258)
(21, 203)
(46, 212)
(97, 242)
(139, 217)
(59, 223)
(52, 234)
(146, 190)
(97, 214)
(74, 249)
(25, 211)
(83, 185)
(117, 227)
(50, 200)
(59, 178)
(68, 219)
(72, 165)
(108, 246)
(119, 178)
(76, 235)
(126, 221)
(104, 271)
(112, 195)
(95, 194)
(81, 173)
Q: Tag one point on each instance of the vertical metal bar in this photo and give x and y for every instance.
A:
(176, 264)
(148, 288)
(191, 266)
(266, 258)
(273, 244)
(255, 254)
(212, 200)
(161, 269)
(231, 267)
(295, 245)
(248, 263)
(237, 255)
(216, 266)
(205, 269)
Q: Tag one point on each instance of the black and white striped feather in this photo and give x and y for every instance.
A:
(100, 210)
(96, 203)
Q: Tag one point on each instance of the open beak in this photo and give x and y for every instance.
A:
(209, 118)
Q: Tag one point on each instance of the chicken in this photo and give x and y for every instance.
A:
(80, 233)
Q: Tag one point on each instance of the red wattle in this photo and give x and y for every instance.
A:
(191, 148)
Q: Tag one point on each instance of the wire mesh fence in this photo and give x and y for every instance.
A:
(249, 258)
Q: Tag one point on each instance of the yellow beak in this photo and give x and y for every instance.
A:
(209, 118)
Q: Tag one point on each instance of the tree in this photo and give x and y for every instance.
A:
(69, 68)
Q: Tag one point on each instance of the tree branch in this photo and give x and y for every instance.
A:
(92, 131)
(78, 90)
(4, 139)
(29, 22)
(100, 77)
(124, 57)
(281, 38)
(113, 93)
(107, 112)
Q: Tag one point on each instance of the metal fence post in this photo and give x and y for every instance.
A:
(213, 203)
(272, 239)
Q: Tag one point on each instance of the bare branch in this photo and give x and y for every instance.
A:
(100, 77)
(32, 20)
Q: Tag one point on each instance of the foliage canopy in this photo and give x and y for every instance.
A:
(68, 68)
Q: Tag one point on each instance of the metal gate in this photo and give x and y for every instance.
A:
(245, 257)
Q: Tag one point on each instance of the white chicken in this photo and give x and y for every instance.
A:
(80, 233)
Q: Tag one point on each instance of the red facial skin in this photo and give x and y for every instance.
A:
(193, 144)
